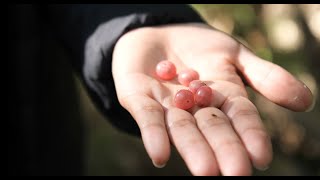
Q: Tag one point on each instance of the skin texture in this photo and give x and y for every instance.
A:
(226, 138)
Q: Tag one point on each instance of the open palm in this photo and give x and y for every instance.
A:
(228, 137)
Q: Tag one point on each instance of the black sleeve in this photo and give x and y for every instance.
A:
(90, 32)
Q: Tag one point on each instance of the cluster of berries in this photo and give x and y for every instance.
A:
(198, 92)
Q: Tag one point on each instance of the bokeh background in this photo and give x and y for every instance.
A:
(286, 34)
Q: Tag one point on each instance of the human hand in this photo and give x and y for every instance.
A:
(228, 137)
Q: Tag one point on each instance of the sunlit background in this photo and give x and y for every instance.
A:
(286, 34)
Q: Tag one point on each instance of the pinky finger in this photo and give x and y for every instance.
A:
(149, 116)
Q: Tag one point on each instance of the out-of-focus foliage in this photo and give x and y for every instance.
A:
(288, 35)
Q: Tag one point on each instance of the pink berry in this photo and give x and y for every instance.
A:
(195, 85)
(166, 70)
(184, 99)
(186, 76)
(203, 96)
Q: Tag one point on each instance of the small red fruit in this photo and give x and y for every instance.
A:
(166, 70)
(203, 96)
(195, 85)
(184, 99)
(186, 76)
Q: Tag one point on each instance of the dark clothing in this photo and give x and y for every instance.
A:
(42, 139)
(76, 24)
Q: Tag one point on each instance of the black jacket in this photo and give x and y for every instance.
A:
(77, 24)
(42, 138)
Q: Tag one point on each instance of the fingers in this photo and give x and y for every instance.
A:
(190, 143)
(249, 127)
(273, 81)
(149, 116)
(229, 151)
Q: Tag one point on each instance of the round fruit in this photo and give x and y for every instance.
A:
(203, 96)
(186, 76)
(166, 70)
(195, 85)
(184, 99)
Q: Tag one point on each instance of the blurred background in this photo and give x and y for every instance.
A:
(286, 34)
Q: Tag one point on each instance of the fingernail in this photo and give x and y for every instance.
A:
(158, 165)
(263, 168)
(311, 107)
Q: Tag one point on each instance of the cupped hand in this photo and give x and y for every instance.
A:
(226, 138)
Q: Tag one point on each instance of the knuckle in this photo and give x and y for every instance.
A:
(210, 123)
(179, 123)
(228, 143)
(257, 133)
(150, 108)
(151, 125)
(137, 103)
(245, 112)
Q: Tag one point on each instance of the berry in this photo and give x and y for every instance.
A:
(186, 76)
(195, 85)
(166, 70)
(184, 99)
(203, 96)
